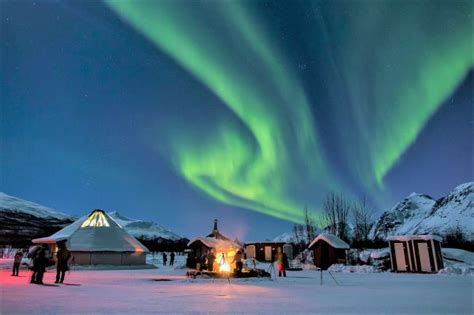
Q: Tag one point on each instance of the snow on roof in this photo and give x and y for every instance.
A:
(84, 236)
(332, 240)
(405, 238)
(212, 242)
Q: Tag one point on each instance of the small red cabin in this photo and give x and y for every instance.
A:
(328, 249)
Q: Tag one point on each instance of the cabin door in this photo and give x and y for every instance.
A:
(325, 259)
(251, 251)
(268, 253)
(400, 257)
(424, 257)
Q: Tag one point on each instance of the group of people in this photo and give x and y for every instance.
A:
(210, 262)
(41, 258)
(165, 259)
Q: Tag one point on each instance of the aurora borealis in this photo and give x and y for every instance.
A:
(192, 110)
(395, 64)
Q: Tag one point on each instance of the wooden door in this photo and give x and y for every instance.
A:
(251, 251)
(424, 257)
(401, 259)
(268, 253)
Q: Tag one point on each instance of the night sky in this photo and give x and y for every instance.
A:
(246, 111)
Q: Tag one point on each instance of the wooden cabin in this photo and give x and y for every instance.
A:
(328, 249)
(223, 248)
(416, 253)
(266, 250)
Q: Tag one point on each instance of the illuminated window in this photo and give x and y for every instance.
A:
(95, 219)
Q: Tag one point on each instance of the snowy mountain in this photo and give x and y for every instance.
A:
(144, 229)
(13, 204)
(421, 214)
(22, 220)
(288, 237)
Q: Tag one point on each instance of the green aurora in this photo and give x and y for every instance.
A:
(395, 63)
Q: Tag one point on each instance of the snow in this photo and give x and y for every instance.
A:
(457, 269)
(332, 240)
(287, 237)
(14, 204)
(457, 262)
(380, 253)
(459, 255)
(144, 229)
(167, 291)
(356, 269)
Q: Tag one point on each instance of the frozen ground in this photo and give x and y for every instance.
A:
(145, 291)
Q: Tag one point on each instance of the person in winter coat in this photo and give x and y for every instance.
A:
(165, 259)
(62, 258)
(210, 260)
(238, 262)
(17, 262)
(172, 259)
(39, 266)
(282, 262)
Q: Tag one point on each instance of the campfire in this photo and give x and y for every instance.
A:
(224, 261)
(214, 256)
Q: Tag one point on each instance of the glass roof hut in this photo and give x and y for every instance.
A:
(96, 239)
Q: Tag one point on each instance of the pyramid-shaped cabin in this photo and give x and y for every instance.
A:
(97, 239)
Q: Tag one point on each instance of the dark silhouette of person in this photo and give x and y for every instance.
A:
(210, 260)
(165, 259)
(202, 262)
(62, 258)
(238, 262)
(17, 262)
(172, 259)
(39, 266)
(32, 255)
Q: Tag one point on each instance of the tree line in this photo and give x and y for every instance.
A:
(350, 221)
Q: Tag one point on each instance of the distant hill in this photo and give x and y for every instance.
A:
(144, 229)
(151, 234)
(22, 220)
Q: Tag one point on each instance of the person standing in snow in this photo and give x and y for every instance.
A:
(172, 259)
(210, 260)
(39, 266)
(238, 262)
(165, 259)
(17, 262)
(282, 262)
(62, 258)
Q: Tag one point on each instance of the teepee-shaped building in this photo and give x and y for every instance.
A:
(97, 239)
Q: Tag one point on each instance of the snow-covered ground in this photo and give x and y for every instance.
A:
(167, 290)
